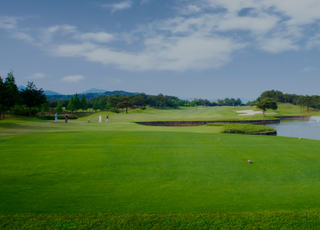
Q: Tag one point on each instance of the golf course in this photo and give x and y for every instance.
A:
(122, 175)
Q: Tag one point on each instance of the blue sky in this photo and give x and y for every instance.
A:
(204, 48)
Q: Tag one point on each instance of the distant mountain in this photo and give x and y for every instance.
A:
(119, 92)
(244, 100)
(46, 92)
(93, 90)
(89, 96)
(50, 93)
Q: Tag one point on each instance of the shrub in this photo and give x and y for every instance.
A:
(143, 107)
(22, 110)
(242, 128)
(215, 124)
(51, 117)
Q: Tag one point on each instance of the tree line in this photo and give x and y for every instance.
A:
(90, 95)
(304, 101)
(230, 102)
(28, 100)
(114, 103)
(31, 100)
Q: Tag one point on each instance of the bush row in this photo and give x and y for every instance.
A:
(242, 128)
(52, 117)
(22, 110)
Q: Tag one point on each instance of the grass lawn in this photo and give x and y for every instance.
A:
(201, 113)
(122, 168)
(156, 172)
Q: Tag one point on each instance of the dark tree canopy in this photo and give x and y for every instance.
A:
(77, 102)
(59, 107)
(113, 102)
(32, 96)
(13, 96)
(95, 106)
(3, 96)
(101, 104)
(71, 105)
(265, 104)
(84, 105)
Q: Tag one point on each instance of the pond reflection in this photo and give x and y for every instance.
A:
(299, 128)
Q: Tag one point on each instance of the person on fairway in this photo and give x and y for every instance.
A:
(66, 118)
(107, 118)
(56, 117)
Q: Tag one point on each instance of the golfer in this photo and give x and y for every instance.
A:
(56, 117)
(66, 118)
(107, 119)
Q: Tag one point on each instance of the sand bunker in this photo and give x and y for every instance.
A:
(248, 112)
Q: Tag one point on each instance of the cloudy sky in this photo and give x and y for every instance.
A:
(200, 48)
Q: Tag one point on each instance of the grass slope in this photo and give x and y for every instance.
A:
(156, 172)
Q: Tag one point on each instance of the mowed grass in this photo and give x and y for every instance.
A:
(226, 220)
(156, 172)
(61, 176)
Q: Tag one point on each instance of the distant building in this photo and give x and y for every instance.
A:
(194, 99)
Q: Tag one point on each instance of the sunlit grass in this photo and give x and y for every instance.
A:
(122, 167)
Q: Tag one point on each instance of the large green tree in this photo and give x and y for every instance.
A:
(127, 103)
(101, 104)
(53, 104)
(238, 101)
(95, 106)
(315, 101)
(71, 105)
(59, 107)
(113, 102)
(44, 108)
(77, 102)
(32, 96)
(3, 97)
(265, 104)
(308, 102)
(84, 105)
(13, 95)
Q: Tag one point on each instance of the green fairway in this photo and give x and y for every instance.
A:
(125, 168)
(156, 172)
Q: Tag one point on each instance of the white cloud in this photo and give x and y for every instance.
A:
(97, 37)
(308, 69)
(178, 53)
(73, 78)
(38, 76)
(71, 50)
(190, 9)
(143, 2)
(118, 6)
(8, 22)
(23, 36)
(47, 34)
(204, 34)
(277, 45)
(313, 41)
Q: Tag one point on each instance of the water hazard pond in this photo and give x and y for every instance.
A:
(299, 128)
